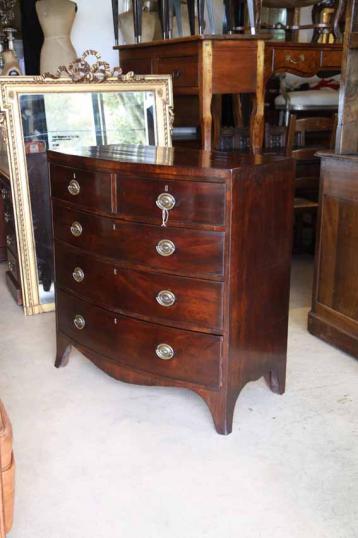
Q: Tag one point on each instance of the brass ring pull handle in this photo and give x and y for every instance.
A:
(9, 240)
(78, 274)
(73, 187)
(165, 247)
(76, 229)
(290, 59)
(11, 266)
(165, 201)
(164, 352)
(166, 298)
(7, 217)
(79, 322)
(176, 74)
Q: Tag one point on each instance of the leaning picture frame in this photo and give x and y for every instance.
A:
(24, 101)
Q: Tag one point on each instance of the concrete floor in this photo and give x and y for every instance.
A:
(97, 458)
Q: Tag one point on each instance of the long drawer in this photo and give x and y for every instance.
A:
(170, 353)
(193, 303)
(173, 250)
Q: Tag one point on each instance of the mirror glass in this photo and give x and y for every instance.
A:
(65, 121)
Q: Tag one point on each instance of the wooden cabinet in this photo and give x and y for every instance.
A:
(2, 228)
(179, 274)
(334, 315)
(13, 277)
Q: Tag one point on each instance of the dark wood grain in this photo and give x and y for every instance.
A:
(198, 304)
(197, 252)
(2, 225)
(334, 314)
(229, 272)
(195, 202)
(95, 189)
(133, 343)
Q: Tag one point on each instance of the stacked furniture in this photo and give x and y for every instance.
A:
(334, 314)
(7, 473)
(13, 279)
(172, 267)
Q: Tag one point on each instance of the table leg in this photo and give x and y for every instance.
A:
(257, 126)
(206, 94)
(206, 119)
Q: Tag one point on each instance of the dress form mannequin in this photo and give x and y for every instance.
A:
(56, 19)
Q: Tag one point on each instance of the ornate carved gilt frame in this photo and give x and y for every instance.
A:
(11, 126)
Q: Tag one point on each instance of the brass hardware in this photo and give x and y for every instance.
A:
(166, 298)
(79, 322)
(74, 187)
(76, 229)
(176, 74)
(7, 217)
(9, 240)
(290, 59)
(165, 247)
(164, 352)
(78, 274)
(165, 201)
(11, 266)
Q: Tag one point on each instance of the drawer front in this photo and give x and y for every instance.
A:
(183, 69)
(132, 343)
(13, 265)
(83, 188)
(11, 240)
(195, 252)
(331, 58)
(297, 60)
(194, 202)
(194, 303)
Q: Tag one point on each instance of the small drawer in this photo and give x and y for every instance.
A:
(13, 265)
(163, 351)
(183, 69)
(193, 303)
(188, 202)
(331, 58)
(81, 187)
(297, 60)
(167, 250)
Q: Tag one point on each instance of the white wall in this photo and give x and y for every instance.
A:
(93, 29)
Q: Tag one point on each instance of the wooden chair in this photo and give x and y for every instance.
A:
(303, 140)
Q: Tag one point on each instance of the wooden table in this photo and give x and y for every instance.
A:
(229, 64)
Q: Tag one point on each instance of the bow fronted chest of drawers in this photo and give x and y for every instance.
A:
(172, 267)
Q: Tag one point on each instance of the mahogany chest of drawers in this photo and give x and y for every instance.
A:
(172, 267)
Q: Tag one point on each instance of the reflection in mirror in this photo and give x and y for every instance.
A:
(66, 121)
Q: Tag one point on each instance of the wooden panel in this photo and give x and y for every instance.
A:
(242, 76)
(133, 343)
(195, 202)
(184, 70)
(198, 303)
(331, 58)
(196, 253)
(14, 288)
(94, 188)
(339, 257)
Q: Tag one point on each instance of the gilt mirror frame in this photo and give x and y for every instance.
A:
(11, 88)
